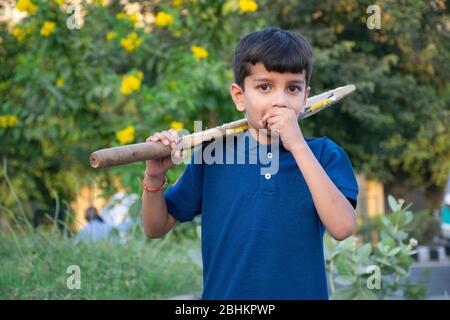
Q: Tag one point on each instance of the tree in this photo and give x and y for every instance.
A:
(396, 125)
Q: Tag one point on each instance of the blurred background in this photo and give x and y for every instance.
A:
(77, 76)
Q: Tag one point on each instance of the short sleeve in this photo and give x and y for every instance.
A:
(184, 197)
(339, 168)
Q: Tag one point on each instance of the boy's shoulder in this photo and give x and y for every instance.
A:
(321, 143)
(326, 149)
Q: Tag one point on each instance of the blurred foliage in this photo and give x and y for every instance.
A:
(355, 265)
(34, 266)
(157, 63)
(425, 228)
(75, 90)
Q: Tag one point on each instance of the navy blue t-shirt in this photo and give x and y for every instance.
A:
(262, 237)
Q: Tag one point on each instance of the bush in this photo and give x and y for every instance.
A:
(374, 270)
(425, 227)
(67, 91)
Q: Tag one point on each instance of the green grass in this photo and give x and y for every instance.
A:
(33, 265)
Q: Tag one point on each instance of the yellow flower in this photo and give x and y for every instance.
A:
(131, 83)
(121, 16)
(177, 125)
(60, 82)
(26, 6)
(163, 19)
(48, 28)
(126, 135)
(177, 3)
(199, 52)
(59, 2)
(4, 121)
(8, 121)
(131, 42)
(19, 33)
(248, 5)
(12, 121)
(132, 17)
(111, 35)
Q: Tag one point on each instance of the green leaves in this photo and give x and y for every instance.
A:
(392, 203)
(345, 294)
(364, 252)
(345, 280)
(356, 269)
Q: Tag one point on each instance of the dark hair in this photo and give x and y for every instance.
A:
(279, 50)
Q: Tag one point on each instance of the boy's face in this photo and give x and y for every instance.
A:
(265, 90)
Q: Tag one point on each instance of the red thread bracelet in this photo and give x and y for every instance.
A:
(146, 188)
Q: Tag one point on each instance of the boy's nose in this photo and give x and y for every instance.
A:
(280, 101)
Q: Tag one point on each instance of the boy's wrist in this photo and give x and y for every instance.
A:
(154, 181)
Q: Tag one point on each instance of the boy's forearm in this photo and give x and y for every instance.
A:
(154, 209)
(335, 211)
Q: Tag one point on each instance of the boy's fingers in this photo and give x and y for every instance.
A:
(263, 122)
(154, 137)
(172, 138)
(165, 138)
(273, 127)
(179, 154)
(173, 132)
(272, 112)
(264, 119)
(275, 111)
(273, 120)
(173, 135)
(267, 115)
(158, 136)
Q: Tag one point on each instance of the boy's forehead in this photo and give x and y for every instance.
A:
(259, 72)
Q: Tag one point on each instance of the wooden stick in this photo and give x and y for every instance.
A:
(117, 156)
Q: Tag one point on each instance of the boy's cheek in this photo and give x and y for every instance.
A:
(255, 121)
(254, 115)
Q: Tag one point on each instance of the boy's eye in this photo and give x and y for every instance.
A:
(264, 87)
(294, 89)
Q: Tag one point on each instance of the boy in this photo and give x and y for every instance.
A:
(261, 233)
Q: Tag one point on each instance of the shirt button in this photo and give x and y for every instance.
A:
(267, 176)
(269, 155)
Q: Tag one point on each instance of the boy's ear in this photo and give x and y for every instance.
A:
(237, 94)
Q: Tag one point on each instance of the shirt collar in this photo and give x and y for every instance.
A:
(251, 143)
